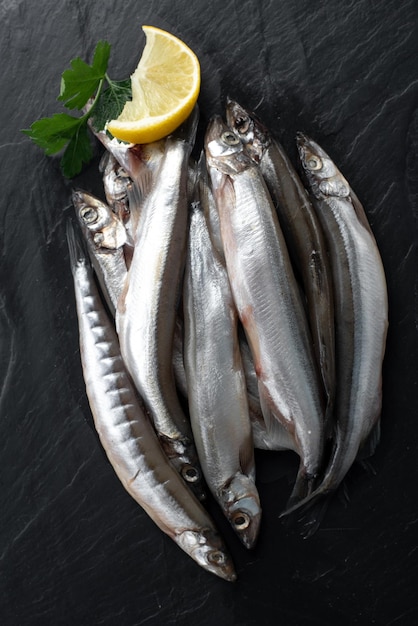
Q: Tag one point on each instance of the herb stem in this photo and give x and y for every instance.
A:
(87, 114)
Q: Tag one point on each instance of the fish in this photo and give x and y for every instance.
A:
(303, 234)
(147, 310)
(105, 237)
(268, 300)
(138, 162)
(361, 319)
(127, 435)
(116, 182)
(216, 383)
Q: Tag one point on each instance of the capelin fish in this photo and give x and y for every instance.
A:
(146, 315)
(116, 182)
(303, 234)
(127, 436)
(361, 313)
(105, 236)
(216, 384)
(267, 298)
(140, 162)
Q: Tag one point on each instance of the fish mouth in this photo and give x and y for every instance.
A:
(207, 549)
(237, 117)
(303, 144)
(214, 130)
(308, 146)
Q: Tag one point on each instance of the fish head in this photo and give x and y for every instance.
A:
(224, 149)
(115, 179)
(105, 228)
(249, 129)
(321, 172)
(206, 547)
(241, 504)
(116, 182)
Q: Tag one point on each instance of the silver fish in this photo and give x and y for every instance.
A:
(127, 436)
(115, 183)
(140, 162)
(216, 384)
(146, 315)
(105, 236)
(361, 312)
(303, 234)
(137, 160)
(267, 298)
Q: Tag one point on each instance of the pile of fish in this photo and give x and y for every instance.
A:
(222, 307)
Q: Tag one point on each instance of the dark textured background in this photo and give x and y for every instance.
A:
(75, 549)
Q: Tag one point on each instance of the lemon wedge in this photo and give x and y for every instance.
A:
(165, 87)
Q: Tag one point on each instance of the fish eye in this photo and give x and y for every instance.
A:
(190, 473)
(89, 215)
(241, 521)
(229, 138)
(217, 557)
(314, 163)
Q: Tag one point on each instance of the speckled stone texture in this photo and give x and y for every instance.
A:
(75, 549)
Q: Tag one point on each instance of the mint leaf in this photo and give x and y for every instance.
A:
(111, 102)
(80, 82)
(77, 153)
(53, 133)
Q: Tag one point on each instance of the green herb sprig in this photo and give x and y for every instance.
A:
(80, 85)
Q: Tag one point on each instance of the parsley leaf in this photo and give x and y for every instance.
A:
(77, 153)
(111, 102)
(80, 85)
(53, 133)
(83, 80)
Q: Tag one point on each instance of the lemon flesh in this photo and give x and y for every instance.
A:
(165, 88)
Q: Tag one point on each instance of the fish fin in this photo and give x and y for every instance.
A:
(307, 519)
(142, 186)
(303, 487)
(306, 514)
(246, 458)
(265, 408)
(368, 447)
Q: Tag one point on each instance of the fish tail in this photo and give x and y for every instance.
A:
(368, 447)
(303, 488)
(307, 515)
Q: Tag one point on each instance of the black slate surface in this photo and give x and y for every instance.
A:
(74, 547)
